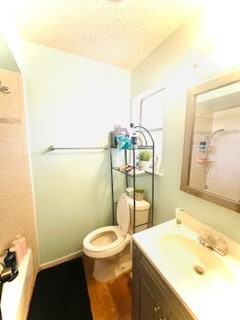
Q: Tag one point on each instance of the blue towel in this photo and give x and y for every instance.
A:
(123, 142)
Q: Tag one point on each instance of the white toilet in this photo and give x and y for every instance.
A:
(111, 246)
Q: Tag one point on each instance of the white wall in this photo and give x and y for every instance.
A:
(71, 101)
(173, 63)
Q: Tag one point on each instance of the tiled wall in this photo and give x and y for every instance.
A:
(16, 197)
(224, 155)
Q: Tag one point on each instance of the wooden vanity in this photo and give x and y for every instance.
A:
(167, 284)
(153, 299)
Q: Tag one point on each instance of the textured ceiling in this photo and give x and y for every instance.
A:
(121, 33)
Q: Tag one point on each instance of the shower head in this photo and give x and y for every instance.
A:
(214, 133)
(217, 131)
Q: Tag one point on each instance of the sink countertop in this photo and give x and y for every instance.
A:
(214, 295)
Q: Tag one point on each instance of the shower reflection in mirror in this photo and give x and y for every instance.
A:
(215, 165)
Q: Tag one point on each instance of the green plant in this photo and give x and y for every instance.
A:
(139, 194)
(139, 190)
(144, 155)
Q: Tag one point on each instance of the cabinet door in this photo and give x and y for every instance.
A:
(148, 308)
(145, 292)
(152, 298)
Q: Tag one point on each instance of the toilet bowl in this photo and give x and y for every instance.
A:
(110, 246)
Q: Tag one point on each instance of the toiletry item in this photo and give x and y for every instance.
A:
(202, 152)
(6, 275)
(23, 242)
(1, 269)
(11, 262)
(178, 217)
(123, 142)
(202, 146)
(3, 256)
(134, 139)
(119, 132)
(17, 248)
(133, 135)
(157, 165)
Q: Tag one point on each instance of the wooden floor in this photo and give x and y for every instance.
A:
(109, 301)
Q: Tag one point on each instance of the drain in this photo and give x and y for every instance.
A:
(199, 270)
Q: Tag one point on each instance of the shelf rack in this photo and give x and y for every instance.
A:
(143, 141)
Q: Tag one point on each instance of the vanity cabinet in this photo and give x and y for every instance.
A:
(153, 299)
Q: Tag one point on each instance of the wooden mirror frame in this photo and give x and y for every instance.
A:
(188, 139)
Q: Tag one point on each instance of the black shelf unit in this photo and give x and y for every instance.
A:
(144, 141)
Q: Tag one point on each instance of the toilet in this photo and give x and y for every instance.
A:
(110, 246)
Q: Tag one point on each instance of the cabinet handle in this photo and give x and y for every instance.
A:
(156, 309)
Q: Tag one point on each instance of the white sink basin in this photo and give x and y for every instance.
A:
(196, 265)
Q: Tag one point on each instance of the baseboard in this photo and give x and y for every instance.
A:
(54, 263)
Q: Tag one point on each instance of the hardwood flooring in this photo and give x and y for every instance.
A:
(109, 301)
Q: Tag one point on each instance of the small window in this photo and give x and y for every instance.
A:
(148, 110)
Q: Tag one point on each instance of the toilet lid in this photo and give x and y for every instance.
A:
(123, 217)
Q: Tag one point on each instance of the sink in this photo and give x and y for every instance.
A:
(208, 283)
(195, 265)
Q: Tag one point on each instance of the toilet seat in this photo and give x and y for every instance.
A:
(120, 232)
(87, 241)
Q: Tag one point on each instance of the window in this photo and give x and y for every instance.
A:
(148, 111)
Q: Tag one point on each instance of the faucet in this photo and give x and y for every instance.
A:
(217, 244)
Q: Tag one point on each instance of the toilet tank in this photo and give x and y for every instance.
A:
(141, 214)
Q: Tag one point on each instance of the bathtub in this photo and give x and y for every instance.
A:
(16, 294)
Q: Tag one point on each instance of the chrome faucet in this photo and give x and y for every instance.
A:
(210, 240)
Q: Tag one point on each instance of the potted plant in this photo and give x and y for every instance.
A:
(139, 194)
(144, 159)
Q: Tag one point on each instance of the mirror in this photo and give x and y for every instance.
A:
(211, 154)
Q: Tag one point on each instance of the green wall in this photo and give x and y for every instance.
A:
(172, 64)
(71, 101)
(7, 60)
